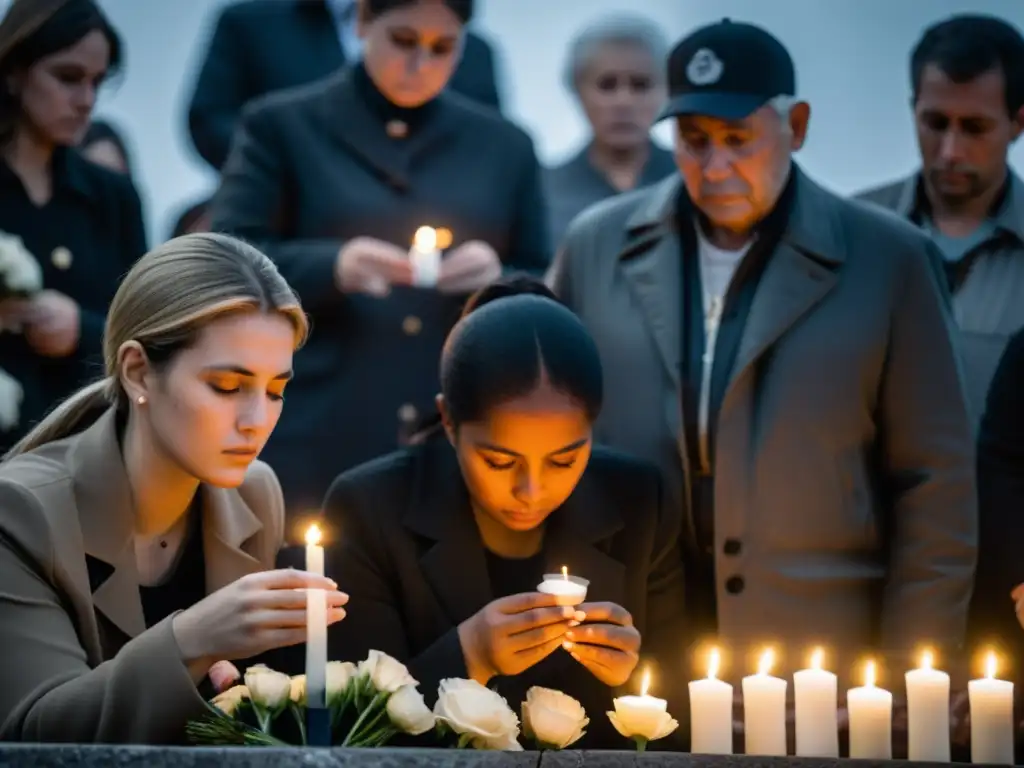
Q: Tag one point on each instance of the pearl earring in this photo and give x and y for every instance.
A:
(141, 400)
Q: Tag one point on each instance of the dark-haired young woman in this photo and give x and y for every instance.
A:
(441, 545)
(332, 181)
(81, 222)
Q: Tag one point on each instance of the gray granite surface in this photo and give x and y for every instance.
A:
(73, 756)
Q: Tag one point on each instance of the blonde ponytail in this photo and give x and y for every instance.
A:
(69, 417)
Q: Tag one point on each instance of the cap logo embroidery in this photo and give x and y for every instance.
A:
(704, 68)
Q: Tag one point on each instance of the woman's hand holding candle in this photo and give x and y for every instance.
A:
(609, 647)
(368, 265)
(468, 268)
(510, 635)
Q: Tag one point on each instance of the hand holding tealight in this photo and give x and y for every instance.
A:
(569, 590)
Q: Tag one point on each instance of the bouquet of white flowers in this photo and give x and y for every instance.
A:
(20, 273)
(369, 704)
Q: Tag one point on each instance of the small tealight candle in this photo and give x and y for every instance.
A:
(425, 257)
(316, 625)
(764, 710)
(816, 701)
(570, 590)
(991, 717)
(928, 712)
(711, 712)
(870, 710)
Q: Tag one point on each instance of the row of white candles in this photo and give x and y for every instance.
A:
(869, 707)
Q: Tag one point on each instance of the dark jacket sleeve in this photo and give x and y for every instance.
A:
(1001, 482)
(254, 203)
(131, 224)
(361, 566)
(531, 240)
(48, 690)
(927, 462)
(221, 90)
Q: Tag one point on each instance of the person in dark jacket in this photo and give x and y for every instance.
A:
(261, 46)
(82, 223)
(441, 546)
(333, 181)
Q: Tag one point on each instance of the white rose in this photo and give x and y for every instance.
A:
(408, 712)
(477, 713)
(298, 691)
(267, 688)
(552, 718)
(20, 270)
(647, 724)
(11, 395)
(228, 701)
(385, 673)
(339, 675)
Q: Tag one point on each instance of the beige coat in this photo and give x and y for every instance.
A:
(80, 665)
(844, 493)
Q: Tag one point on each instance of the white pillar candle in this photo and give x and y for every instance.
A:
(711, 712)
(571, 590)
(425, 257)
(764, 710)
(815, 693)
(316, 625)
(870, 710)
(927, 713)
(991, 717)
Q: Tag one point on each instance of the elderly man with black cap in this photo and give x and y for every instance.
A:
(786, 356)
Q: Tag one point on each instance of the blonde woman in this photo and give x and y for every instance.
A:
(136, 525)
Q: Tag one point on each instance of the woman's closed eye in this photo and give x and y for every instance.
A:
(227, 390)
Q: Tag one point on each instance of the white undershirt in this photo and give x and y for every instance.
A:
(717, 267)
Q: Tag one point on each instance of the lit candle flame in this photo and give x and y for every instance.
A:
(714, 661)
(444, 238)
(565, 573)
(927, 660)
(869, 675)
(764, 666)
(313, 535)
(817, 658)
(990, 665)
(425, 239)
(645, 682)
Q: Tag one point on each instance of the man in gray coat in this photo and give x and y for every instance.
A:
(967, 76)
(786, 357)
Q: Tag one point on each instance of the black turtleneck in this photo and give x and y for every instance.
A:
(385, 109)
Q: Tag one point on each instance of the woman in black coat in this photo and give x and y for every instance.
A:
(332, 181)
(441, 545)
(81, 223)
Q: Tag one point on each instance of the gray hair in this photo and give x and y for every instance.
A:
(783, 105)
(619, 29)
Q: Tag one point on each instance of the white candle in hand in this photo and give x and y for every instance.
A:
(711, 712)
(425, 257)
(764, 710)
(927, 712)
(870, 711)
(570, 590)
(316, 625)
(991, 717)
(815, 694)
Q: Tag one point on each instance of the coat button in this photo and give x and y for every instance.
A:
(407, 413)
(734, 585)
(412, 325)
(61, 257)
(732, 547)
(397, 129)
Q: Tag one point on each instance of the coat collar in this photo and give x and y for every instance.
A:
(455, 563)
(348, 117)
(106, 519)
(800, 272)
(1008, 213)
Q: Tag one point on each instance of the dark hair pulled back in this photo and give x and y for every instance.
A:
(370, 9)
(503, 350)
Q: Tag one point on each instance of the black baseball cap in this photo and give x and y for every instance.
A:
(727, 70)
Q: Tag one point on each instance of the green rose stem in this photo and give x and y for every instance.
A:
(300, 719)
(641, 743)
(375, 709)
(464, 741)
